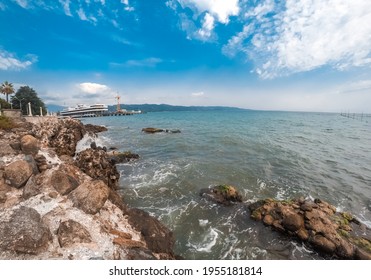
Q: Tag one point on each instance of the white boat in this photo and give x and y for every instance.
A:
(82, 111)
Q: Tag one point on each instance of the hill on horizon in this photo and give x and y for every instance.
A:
(147, 108)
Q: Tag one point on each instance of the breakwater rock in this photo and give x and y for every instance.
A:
(55, 204)
(318, 224)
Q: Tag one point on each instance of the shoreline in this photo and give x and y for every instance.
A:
(55, 205)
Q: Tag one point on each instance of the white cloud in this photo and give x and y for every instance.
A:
(207, 27)
(197, 94)
(221, 9)
(9, 62)
(22, 3)
(66, 7)
(305, 35)
(81, 14)
(147, 62)
(93, 88)
(206, 14)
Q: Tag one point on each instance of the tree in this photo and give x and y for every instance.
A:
(4, 104)
(7, 89)
(23, 96)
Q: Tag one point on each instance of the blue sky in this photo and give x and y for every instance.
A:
(272, 55)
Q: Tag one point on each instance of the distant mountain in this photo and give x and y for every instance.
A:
(146, 108)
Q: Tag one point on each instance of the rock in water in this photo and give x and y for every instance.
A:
(222, 194)
(338, 235)
(17, 173)
(152, 130)
(24, 232)
(90, 196)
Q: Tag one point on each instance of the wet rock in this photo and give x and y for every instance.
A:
(90, 196)
(222, 194)
(71, 232)
(159, 238)
(62, 182)
(29, 145)
(24, 232)
(17, 173)
(337, 235)
(122, 157)
(97, 165)
(94, 129)
(152, 130)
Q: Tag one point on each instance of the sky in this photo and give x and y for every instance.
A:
(296, 55)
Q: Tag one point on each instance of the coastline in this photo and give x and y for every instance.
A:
(53, 206)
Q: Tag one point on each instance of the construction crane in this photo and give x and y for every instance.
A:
(118, 108)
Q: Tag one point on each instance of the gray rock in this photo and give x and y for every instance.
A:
(24, 232)
(31, 188)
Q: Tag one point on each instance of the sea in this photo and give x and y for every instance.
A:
(280, 155)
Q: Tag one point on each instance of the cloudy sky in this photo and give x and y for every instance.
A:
(305, 55)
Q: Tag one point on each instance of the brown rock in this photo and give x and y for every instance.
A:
(29, 145)
(24, 232)
(71, 232)
(121, 234)
(293, 222)
(222, 194)
(17, 173)
(63, 183)
(152, 130)
(159, 238)
(6, 149)
(268, 220)
(90, 196)
(97, 165)
(303, 234)
(128, 243)
(323, 244)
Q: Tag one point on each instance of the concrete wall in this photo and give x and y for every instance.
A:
(12, 113)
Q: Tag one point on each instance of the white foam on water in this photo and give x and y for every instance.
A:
(85, 142)
(208, 242)
(203, 223)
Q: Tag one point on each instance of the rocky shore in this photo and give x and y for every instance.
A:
(56, 204)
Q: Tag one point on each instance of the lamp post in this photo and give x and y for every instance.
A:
(20, 103)
(29, 109)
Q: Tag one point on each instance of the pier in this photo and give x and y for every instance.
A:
(357, 116)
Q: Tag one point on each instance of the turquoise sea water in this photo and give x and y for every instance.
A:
(264, 154)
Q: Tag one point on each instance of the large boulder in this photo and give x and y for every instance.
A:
(71, 232)
(29, 145)
(96, 164)
(62, 182)
(159, 238)
(17, 173)
(94, 129)
(6, 149)
(24, 232)
(90, 196)
(317, 223)
(122, 157)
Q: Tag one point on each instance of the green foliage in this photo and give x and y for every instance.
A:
(4, 104)
(5, 123)
(23, 96)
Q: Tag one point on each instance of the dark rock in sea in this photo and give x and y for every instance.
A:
(90, 196)
(94, 129)
(24, 232)
(318, 224)
(157, 130)
(222, 194)
(29, 145)
(158, 237)
(17, 173)
(96, 164)
(122, 157)
(71, 232)
(93, 145)
(152, 130)
(62, 182)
